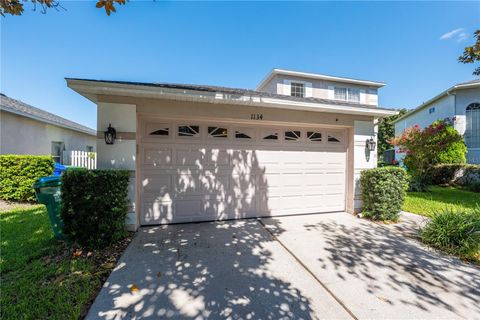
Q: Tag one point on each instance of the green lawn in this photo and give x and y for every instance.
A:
(40, 277)
(440, 198)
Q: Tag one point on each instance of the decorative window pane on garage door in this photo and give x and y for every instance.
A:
(189, 131)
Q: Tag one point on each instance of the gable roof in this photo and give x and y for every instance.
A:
(459, 86)
(317, 76)
(23, 109)
(90, 88)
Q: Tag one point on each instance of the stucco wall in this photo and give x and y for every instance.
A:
(121, 154)
(121, 112)
(21, 135)
(320, 88)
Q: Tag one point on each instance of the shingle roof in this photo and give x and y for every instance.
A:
(21, 108)
(233, 91)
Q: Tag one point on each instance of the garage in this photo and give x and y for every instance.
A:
(194, 170)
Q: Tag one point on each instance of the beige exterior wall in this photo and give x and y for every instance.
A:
(321, 89)
(22, 135)
(123, 112)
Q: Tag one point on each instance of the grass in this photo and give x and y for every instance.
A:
(438, 199)
(42, 278)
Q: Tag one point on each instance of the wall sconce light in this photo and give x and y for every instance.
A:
(110, 135)
(370, 144)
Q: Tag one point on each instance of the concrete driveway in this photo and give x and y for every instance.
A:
(328, 266)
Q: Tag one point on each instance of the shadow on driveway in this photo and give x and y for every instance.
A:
(219, 270)
(377, 273)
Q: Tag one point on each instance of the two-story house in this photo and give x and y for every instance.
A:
(295, 145)
(460, 103)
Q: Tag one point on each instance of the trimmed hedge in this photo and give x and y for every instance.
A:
(94, 206)
(454, 232)
(460, 174)
(383, 192)
(19, 172)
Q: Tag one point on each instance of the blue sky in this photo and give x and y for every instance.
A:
(412, 46)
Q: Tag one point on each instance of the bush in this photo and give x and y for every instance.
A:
(436, 144)
(455, 232)
(383, 192)
(474, 187)
(459, 174)
(94, 206)
(19, 172)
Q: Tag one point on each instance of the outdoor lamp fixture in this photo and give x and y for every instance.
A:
(110, 135)
(370, 144)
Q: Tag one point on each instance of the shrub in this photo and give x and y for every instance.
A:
(474, 187)
(455, 232)
(19, 172)
(383, 192)
(460, 174)
(94, 206)
(436, 144)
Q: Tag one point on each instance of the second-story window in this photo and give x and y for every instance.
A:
(347, 94)
(297, 89)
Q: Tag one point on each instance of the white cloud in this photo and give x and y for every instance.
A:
(458, 34)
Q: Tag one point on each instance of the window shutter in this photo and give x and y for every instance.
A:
(363, 96)
(287, 87)
(331, 92)
(308, 90)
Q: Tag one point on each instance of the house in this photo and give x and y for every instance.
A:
(460, 103)
(295, 145)
(25, 129)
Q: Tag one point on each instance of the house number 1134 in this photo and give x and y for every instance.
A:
(256, 116)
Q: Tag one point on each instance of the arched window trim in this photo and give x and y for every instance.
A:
(472, 130)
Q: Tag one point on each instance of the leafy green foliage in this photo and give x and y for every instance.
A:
(19, 172)
(383, 192)
(386, 132)
(454, 174)
(471, 54)
(94, 206)
(436, 144)
(455, 232)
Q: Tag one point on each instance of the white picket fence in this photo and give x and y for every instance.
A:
(83, 159)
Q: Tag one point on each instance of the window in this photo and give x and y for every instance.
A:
(242, 135)
(332, 139)
(161, 132)
(431, 110)
(272, 136)
(57, 151)
(472, 132)
(340, 93)
(297, 89)
(347, 94)
(188, 131)
(292, 135)
(217, 132)
(314, 136)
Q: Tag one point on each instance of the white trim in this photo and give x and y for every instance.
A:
(331, 92)
(308, 90)
(284, 72)
(287, 87)
(92, 88)
(363, 96)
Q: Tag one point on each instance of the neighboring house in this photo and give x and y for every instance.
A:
(460, 103)
(294, 145)
(28, 130)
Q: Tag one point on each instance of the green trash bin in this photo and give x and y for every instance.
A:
(47, 190)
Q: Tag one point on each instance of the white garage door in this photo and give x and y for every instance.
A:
(194, 171)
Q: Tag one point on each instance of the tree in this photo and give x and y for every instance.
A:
(16, 7)
(472, 54)
(386, 132)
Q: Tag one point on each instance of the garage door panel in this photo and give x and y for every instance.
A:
(157, 157)
(205, 178)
